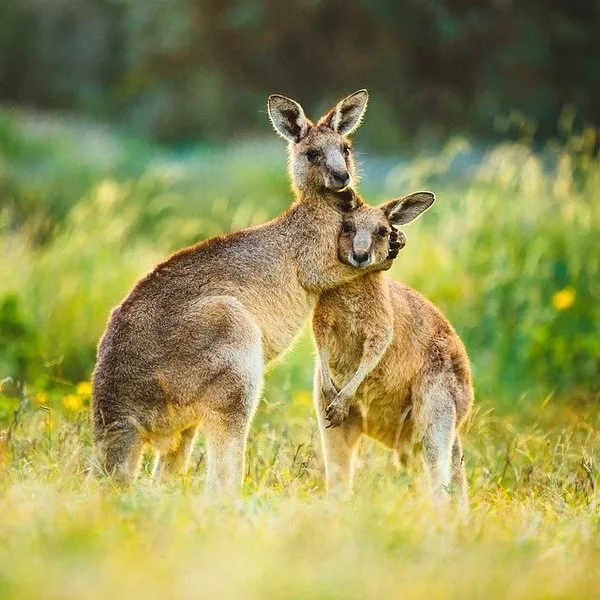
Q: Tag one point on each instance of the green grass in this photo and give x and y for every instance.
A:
(509, 252)
(534, 530)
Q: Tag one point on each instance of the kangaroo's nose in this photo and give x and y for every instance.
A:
(360, 257)
(341, 178)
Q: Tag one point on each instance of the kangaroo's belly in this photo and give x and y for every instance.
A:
(385, 397)
(386, 414)
(280, 333)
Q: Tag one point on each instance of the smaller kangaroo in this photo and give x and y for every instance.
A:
(390, 366)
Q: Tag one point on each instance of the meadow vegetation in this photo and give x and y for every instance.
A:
(509, 252)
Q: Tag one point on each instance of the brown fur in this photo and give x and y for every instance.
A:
(391, 366)
(187, 347)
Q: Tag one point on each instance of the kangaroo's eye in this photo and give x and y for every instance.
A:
(382, 232)
(347, 227)
(346, 150)
(312, 155)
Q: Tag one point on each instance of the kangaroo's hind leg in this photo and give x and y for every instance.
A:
(176, 460)
(226, 448)
(436, 424)
(235, 394)
(227, 399)
(118, 450)
(340, 444)
(340, 447)
(459, 476)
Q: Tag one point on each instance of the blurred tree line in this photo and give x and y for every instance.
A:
(182, 69)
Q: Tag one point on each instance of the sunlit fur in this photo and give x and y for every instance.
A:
(186, 348)
(391, 366)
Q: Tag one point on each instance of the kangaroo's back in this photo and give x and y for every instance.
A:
(427, 344)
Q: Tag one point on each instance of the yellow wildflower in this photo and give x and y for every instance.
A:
(564, 299)
(302, 397)
(84, 388)
(73, 402)
(5, 457)
(41, 398)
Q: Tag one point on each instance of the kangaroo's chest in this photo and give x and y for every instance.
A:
(349, 321)
(345, 348)
(281, 311)
(386, 390)
(281, 328)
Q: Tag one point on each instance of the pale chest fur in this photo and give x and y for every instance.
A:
(352, 315)
(346, 317)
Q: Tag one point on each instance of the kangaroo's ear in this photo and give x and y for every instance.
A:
(347, 114)
(404, 210)
(287, 118)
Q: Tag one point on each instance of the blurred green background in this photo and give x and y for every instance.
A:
(200, 69)
(130, 129)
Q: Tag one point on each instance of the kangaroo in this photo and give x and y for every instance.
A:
(187, 347)
(390, 366)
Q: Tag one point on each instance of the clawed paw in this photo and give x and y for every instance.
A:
(336, 413)
(396, 243)
(328, 394)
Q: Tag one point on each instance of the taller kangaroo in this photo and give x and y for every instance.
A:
(187, 347)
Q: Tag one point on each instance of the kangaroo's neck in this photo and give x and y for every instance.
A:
(312, 228)
(368, 289)
(344, 201)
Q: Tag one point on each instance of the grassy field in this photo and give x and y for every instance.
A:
(509, 252)
(534, 530)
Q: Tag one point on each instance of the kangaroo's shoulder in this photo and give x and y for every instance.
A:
(411, 299)
(428, 321)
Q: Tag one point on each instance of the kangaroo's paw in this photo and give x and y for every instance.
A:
(337, 412)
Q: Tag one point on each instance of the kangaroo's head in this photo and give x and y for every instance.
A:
(320, 153)
(364, 239)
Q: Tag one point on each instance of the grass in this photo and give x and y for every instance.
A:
(534, 530)
(509, 252)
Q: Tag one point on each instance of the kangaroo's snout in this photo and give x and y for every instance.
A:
(339, 180)
(360, 257)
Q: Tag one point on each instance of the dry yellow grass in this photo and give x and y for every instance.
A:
(534, 529)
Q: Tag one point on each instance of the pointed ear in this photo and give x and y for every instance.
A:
(404, 210)
(348, 113)
(287, 118)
